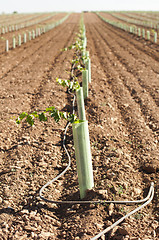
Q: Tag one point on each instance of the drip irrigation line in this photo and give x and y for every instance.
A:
(64, 146)
(145, 201)
(65, 170)
(127, 215)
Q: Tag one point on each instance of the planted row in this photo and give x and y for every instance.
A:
(146, 34)
(148, 23)
(27, 36)
(17, 26)
(80, 65)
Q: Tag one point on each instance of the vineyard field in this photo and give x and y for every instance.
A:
(122, 110)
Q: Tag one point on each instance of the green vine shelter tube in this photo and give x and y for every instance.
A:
(88, 67)
(19, 40)
(85, 83)
(80, 104)
(155, 37)
(148, 35)
(83, 157)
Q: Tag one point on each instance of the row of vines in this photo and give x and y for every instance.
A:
(80, 67)
(15, 25)
(28, 35)
(145, 21)
(144, 30)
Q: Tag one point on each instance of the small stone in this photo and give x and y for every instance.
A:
(150, 167)
(30, 228)
(123, 231)
(48, 153)
(135, 238)
(33, 234)
(99, 226)
(125, 186)
(154, 233)
(1, 200)
(111, 209)
(97, 158)
(32, 215)
(120, 152)
(24, 211)
(78, 218)
(26, 138)
(110, 175)
(20, 237)
(38, 219)
(64, 234)
(147, 179)
(103, 192)
(137, 191)
(58, 224)
(113, 231)
(46, 235)
(126, 105)
(43, 164)
(108, 223)
(126, 237)
(155, 224)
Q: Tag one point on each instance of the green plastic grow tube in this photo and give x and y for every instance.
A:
(83, 156)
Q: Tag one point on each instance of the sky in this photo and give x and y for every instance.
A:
(9, 6)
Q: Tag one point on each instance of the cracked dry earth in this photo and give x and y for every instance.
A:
(123, 115)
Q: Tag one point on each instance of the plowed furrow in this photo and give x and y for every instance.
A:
(28, 50)
(147, 104)
(141, 66)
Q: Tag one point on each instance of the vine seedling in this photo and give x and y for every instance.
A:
(71, 85)
(81, 142)
(79, 126)
(53, 112)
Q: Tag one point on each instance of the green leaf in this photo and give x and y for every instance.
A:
(42, 117)
(78, 121)
(35, 114)
(18, 120)
(30, 120)
(64, 49)
(23, 115)
(70, 47)
(50, 109)
(76, 86)
(65, 115)
(72, 118)
(56, 116)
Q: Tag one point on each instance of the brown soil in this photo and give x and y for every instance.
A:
(9, 36)
(115, 18)
(20, 18)
(123, 115)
